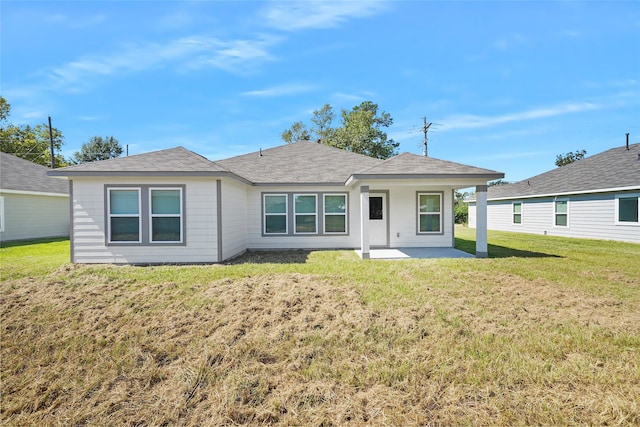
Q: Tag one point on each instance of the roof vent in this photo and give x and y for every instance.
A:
(260, 151)
(627, 141)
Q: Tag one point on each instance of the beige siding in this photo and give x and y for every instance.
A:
(89, 224)
(28, 216)
(234, 218)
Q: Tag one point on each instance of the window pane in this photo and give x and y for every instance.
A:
(125, 229)
(517, 208)
(628, 209)
(335, 224)
(517, 218)
(429, 223)
(305, 223)
(165, 202)
(165, 229)
(275, 224)
(335, 204)
(561, 207)
(429, 203)
(375, 208)
(305, 204)
(561, 219)
(275, 204)
(124, 202)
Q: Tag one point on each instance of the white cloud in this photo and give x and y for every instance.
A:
(193, 52)
(470, 121)
(282, 90)
(297, 15)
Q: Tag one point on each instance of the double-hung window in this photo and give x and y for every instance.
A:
(305, 208)
(275, 214)
(124, 221)
(627, 209)
(166, 215)
(561, 213)
(429, 213)
(335, 213)
(516, 209)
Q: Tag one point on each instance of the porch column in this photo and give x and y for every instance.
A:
(481, 221)
(364, 222)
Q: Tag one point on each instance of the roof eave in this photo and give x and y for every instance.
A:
(87, 174)
(483, 176)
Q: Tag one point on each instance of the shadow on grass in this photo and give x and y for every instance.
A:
(271, 257)
(496, 251)
(14, 243)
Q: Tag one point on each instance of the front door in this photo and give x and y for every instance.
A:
(378, 235)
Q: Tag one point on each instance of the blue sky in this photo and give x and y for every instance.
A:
(508, 85)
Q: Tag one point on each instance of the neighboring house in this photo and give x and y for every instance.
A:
(596, 197)
(32, 204)
(175, 206)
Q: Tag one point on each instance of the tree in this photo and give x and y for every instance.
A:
(570, 157)
(498, 182)
(297, 132)
(98, 148)
(361, 131)
(29, 143)
(460, 208)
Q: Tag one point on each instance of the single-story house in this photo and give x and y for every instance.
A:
(32, 204)
(175, 206)
(596, 197)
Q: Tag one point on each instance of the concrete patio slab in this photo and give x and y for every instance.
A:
(416, 253)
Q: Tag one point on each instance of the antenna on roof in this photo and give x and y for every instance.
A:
(627, 140)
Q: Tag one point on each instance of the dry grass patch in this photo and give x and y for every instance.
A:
(324, 339)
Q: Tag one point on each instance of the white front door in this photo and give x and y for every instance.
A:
(378, 235)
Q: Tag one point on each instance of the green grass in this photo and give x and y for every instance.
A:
(546, 331)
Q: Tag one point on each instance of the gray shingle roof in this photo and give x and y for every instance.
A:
(177, 159)
(22, 175)
(299, 162)
(408, 164)
(614, 168)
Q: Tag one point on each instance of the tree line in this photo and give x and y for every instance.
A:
(34, 143)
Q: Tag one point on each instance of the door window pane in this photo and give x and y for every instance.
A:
(375, 208)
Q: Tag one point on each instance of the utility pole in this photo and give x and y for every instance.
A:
(425, 129)
(53, 154)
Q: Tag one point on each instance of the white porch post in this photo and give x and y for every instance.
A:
(481, 221)
(364, 222)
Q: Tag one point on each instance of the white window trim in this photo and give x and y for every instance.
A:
(152, 215)
(295, 214)
(110, 215)
(345, 214)
(617, 209)
(1, 213)
(440, 213)
(555, 213)
(265, 214)
(513, 213)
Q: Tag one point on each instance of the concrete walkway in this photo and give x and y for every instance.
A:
(416, 253)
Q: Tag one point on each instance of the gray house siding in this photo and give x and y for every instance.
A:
(31, 216)
(589, 216)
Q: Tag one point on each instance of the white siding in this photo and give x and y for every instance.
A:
(28, 216)
(254, 222)
(89, 224)
(402, 215)
(590, 216)
(234, 218)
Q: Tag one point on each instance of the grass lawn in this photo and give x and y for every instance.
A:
(544, 332)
